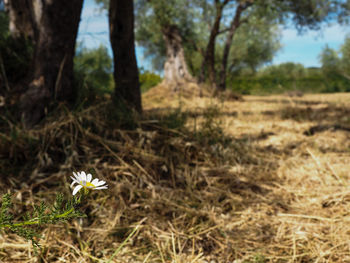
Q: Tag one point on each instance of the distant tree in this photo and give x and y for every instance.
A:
(344, 12)
(305, 14)
(167, 23)
(287, 75)
(336, 63)
(345, 58)
(287, 70)
(335, 68)
(223, 19)
(256, 43)
(209, 54)
(121, 26)
(330, 62)
(234, 25)
(94, 67)
(193, 19)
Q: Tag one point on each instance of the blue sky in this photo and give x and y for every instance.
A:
(304, 49)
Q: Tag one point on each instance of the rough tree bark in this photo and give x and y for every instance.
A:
(175, 67)
(121, 25)
(235, 23)
(57, 25)
(22, 17)
(209, 58)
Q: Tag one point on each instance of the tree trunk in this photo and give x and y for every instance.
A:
(126, 77)
(209, 58)
(235, 23)
(175, 67)
(22, 18)
(57, 23)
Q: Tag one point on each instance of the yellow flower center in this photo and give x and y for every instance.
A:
(87, 184)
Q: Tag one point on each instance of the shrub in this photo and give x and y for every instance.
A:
(148, 80)
(93, 73)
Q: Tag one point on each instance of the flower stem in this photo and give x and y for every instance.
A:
(36, 220)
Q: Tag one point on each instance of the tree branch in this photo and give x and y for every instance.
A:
(224, 31)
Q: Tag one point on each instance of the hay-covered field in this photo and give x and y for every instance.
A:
(265, 179)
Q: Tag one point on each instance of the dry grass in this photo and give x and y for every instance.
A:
(215, 180)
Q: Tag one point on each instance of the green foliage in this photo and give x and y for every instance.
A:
(255, 43)
(335, 68)
(5, 216)
(285, 70)
(330, 61)
(42, 214)
(345, 58)
(276, 79)
(93, 72)
(148, 79)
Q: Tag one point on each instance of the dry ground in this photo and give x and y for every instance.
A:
(260, 180)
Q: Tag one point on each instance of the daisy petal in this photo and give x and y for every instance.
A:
(100, 183)
(74, 182)
(76, 189)
(74, 179)
(77, 176)
(88, 177)
(101, 187)
(83, 176)
(94, 182)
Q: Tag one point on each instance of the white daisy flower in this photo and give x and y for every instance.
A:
(84, 181)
